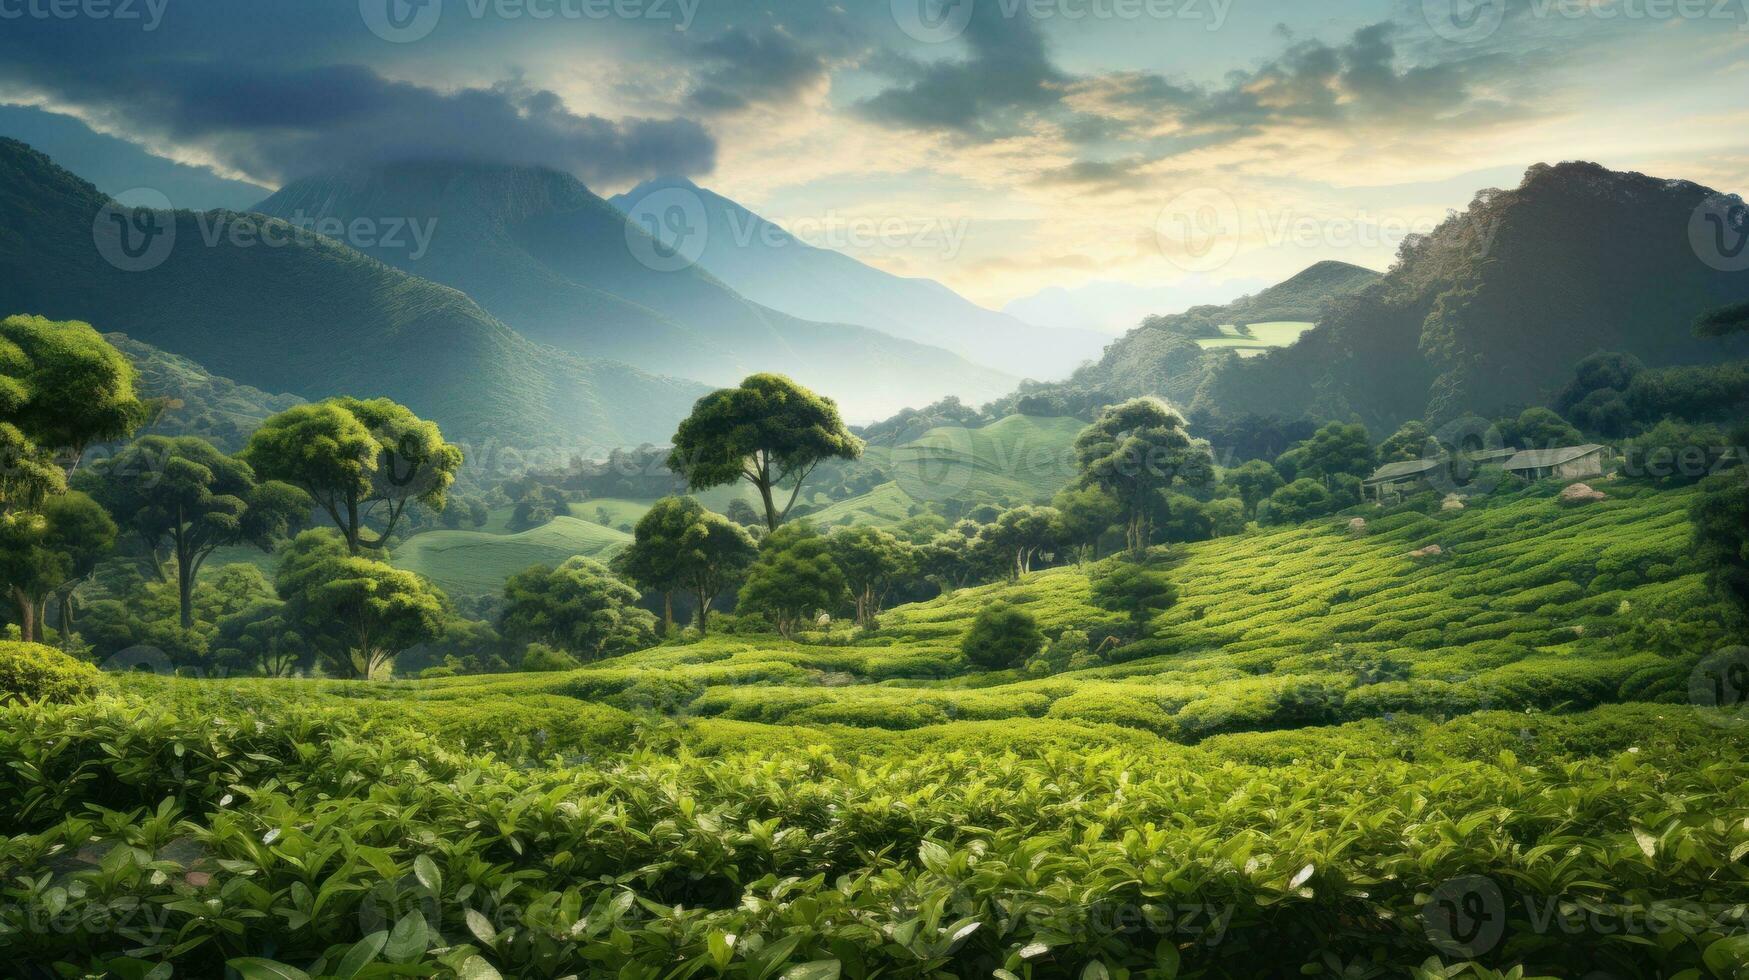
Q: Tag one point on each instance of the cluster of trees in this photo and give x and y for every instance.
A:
(137, 527)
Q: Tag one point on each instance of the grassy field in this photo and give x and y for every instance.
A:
(1255, 338)
(474, 562)
(1321, 751)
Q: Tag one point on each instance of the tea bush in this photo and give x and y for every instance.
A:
(34, 672)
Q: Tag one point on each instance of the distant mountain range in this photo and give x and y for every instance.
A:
(282, 309)
(768, 265)
(196, 402)
(562, 266)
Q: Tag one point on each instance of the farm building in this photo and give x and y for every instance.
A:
(1565, 462)
(1396, 479)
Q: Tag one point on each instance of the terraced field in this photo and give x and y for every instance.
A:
(475, 562)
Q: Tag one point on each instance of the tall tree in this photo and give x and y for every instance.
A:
(360, 613)
(1084, 514)
(872, 560)
(1338, 449)
(414, 463)
(182, 494)
(769, 431)
(580, 607)
(357, 460)
(793, 576)
(678, 544)
(1134, 451)
(41, 552)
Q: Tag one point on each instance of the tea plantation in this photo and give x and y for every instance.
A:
(1332, 757)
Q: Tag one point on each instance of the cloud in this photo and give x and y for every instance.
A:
(1095, 176)
(750, 67)
(271, 121)
(988, 95)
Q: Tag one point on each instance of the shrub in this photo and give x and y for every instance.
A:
(33, 672)
(1001, 637)
(540, 657)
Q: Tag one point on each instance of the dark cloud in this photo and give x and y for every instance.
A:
(1006, 76)
(274, 120)
(1094, 176)
(749, 67)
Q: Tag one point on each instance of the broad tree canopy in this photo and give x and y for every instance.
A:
(769, 431)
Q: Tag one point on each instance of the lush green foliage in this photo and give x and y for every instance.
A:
(33, 672)
(579, 607)
(769, 431)
(1001, 637)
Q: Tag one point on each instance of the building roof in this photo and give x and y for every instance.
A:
(1536, 459)
(1403, 470)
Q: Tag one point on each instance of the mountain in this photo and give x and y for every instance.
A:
(1171, 355)
(196, 401)
(562, 266)
(269, 305)
(1492, 309)
(768, 265)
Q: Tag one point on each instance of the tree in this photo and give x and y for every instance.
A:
(793, 576)
(1539, 428)
(413, 463)
(871, 560)
(1135, 591)
(64, 387)
(360, 613)
(579, 607)
(261, 639)
(741, 512)
(1338, 449)
(1084, 514)
(1410, 441)
(1299, 501)
(1019, 534)
(1134, 451)
(1253, 481)
(1001, 637)
(353, 457)
(183, 494)
(41, 552)
(678, 544)
(770, 432)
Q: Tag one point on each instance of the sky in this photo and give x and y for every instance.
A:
(1078, 148)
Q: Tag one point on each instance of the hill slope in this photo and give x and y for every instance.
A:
(1492, 309)
(199, 403)
(563, 266)
(768, 265)
(477, 562)
(1163, 356)
(269, 305)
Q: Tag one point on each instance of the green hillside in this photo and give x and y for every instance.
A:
(310, 316)
(478, 562)
(198, 402)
